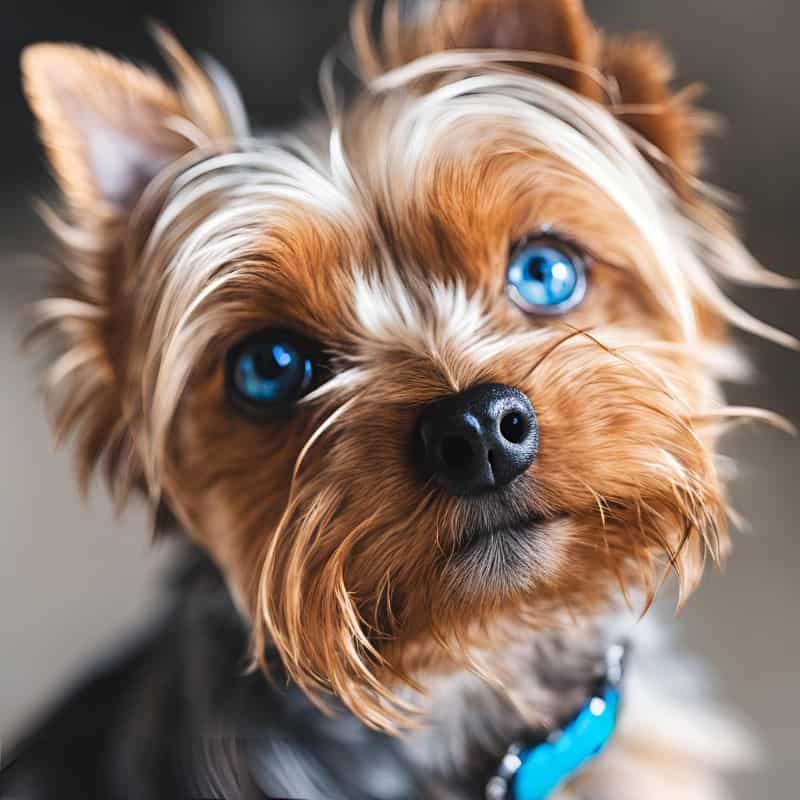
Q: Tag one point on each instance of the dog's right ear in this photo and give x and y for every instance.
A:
(109, 127)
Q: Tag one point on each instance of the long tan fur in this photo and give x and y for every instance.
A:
(478, 123)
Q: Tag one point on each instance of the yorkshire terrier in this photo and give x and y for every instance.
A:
(432, 380)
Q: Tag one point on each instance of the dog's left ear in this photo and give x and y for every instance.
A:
(577, 55)
(550, 27)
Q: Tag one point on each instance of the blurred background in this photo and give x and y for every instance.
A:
(74, 581)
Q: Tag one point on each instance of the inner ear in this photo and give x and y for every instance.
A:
(555, 27)
(124, 151)
(109, 127)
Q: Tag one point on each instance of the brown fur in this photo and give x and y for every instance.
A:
(633, 73)
(352, 568)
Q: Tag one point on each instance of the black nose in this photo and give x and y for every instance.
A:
(478, 440)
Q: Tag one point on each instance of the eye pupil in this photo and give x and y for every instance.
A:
(268, 363)
(545, 278)
(535, 268)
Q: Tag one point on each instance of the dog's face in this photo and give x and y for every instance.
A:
(431, 371)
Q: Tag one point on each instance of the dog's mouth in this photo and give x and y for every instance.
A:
(504, 557)
(516, 529)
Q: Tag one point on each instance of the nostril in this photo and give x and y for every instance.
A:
(514, 427)
(456, 453)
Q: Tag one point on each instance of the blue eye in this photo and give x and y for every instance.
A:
(545, 277)
(269, 371)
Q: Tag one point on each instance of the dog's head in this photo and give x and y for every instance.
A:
(434, 367)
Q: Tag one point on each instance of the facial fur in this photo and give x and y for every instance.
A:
(383, 233)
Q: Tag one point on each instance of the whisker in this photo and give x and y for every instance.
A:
(574, 333)
(324, 426)
(745, 413)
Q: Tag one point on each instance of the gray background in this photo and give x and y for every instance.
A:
(74, 581)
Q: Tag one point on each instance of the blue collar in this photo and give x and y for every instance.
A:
(534, 772)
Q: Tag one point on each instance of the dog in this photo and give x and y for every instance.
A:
(429, 385)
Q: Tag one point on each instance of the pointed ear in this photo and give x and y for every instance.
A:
(109, 127)
(637, 66)
(555, 27)
(558, 28)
